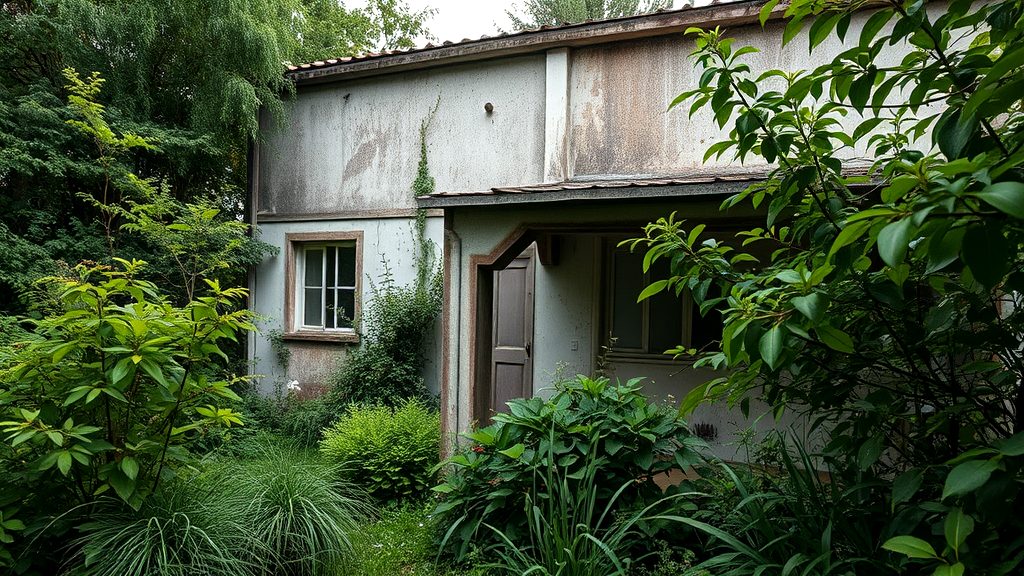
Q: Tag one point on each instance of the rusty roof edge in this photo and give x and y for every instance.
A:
(629, 27)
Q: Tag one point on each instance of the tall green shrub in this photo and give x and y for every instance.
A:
(106, 394)
(585, 421)
(387, 368)
(389, 452)
(888, 304)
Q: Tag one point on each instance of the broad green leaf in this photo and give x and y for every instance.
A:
(121, 483)
(986, 252)
(514, 452)
(898, 188)
(766, 11)
(812, 306)
(906, 485)
(958, 527)
(849, 234)
(835, 339)
(771, 346)
(130, 467)
(952, 134)
(869, 452)
(652, 289)
(874, 25)
(910, 546)
(64, 462)
(1012, 446)
(894, 239)
(944, 248)
(950, 570)
(1007, 197)
(968, 477)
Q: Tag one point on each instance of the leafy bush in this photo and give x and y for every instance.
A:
(569, 531)
(790, 514)
(389, 452)
(585, 419)
(282, 513)
(387, 368)
(105, 393)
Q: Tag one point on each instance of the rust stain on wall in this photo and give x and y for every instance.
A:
(621, 129)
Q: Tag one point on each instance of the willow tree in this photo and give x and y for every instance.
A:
(534, 13)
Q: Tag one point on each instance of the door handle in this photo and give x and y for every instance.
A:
(527, 346)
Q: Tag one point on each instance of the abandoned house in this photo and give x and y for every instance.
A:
(547, 148)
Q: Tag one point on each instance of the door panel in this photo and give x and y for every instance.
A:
(512, 333)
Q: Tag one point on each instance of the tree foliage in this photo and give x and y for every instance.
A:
(888, 311)
(191, 75)
(535, 13)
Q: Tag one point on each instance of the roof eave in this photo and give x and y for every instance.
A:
(657, 24)
(703, 189)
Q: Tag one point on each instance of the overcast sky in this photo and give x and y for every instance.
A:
(458, 19)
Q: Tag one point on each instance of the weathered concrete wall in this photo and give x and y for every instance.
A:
(355, 146)
(388, 241)
(619, 94)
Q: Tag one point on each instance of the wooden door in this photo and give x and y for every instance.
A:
(512, 333)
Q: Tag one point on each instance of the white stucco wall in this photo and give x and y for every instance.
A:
(390, 240)
(355, 146)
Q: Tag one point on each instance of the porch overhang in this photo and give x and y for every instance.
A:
(599, 190)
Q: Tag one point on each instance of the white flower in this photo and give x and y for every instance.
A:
(293, 386)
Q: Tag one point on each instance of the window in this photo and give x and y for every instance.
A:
(329, 286)
(657, 324)
(323, 277)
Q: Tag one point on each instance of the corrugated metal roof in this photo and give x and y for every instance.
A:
(578, 185)
(502, 39)
(707, 181)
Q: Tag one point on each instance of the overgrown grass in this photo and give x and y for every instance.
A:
(280, 511)
(399, 542)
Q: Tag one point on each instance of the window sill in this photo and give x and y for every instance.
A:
(324, 337)
(641, 358)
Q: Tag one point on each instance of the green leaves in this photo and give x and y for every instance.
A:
(986, 252)
(771, 345)
(893, 240)
(910, 546)
(967, 477)
(835, 339)
(812, 306)
(1007, 197)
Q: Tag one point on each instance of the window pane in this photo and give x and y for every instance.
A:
(312, 307)
(314, 267)
(331, 275)
(329, 307)
(705, 329)
(346, 307)
(666, 321)
(347, 266)
(665, 314)
(627, 313)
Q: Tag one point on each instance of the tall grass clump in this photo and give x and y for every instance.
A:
(279, 512)
(389, 452)
(301, 509)
(570, 532)
(189, 527)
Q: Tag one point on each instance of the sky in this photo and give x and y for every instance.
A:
(458, 19)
